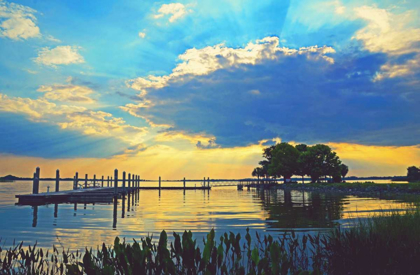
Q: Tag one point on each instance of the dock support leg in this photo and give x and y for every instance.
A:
(116, 182)
(102, 181)
(57, 180)
(86, 179)
(184, 183)
(123, 183)
(159, 183)
(129, 182)
(76, 181)
(35, 186)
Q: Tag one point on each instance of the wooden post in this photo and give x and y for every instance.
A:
(94, 181)
(159, 183)
(86, 179)
(107, 182)
(35, 186)
(57, 180)
(184, 182)
(102, 182)
(129, 181)
(123, 184)
(204, 182)
(76, 181)
(116, 181)
(208, 182)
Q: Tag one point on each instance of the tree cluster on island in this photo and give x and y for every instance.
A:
(413, 174)
(285, 160)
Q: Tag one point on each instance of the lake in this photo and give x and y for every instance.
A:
(222, 208)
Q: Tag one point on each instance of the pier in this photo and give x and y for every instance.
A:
(101, 189)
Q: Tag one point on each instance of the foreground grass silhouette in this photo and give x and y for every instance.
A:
(381, 245)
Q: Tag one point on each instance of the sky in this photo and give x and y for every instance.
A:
(198, 88)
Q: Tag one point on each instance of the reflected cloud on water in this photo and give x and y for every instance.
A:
(140, 213)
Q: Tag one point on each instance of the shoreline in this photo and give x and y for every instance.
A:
(361, 189)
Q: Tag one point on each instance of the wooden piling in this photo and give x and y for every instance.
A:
(107, 182)
(115, 181)
(35, 186)
(123, 182)
(57, 180)
(159, 183)
(86, 179)
(208, 182)
(76, 181)
(129, 181)
(102, 181)
(94, 181)
(184, 182)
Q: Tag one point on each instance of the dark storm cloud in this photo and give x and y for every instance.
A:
(296, 99)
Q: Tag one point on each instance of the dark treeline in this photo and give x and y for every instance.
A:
(413, 174)
(285, 160)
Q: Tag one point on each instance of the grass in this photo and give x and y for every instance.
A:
(381, 245)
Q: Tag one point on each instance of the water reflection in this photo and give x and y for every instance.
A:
(295, 209)
(150, 211)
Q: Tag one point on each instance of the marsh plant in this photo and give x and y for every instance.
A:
(381, 245)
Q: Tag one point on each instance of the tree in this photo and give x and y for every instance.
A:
(344, 169)
(258, 172)
(320, 161)
(413, 174)
(302, 168)
(284, 161)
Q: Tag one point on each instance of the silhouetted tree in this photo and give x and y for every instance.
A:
(284, 161)
(321, 161)
(258, 172)
(413, 174)
(344, 169)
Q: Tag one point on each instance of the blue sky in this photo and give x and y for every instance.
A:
(116, 79)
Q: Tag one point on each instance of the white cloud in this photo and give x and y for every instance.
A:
(393, 34)
(389, 70)
(209, 59)
(61, 55)
(52, 39)
(176, 10)
(17, 22)
(67, 93)
(142, 34)
(76, 118)
(387, 32)
(254, 92)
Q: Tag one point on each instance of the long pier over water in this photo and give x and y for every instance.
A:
(93, 190)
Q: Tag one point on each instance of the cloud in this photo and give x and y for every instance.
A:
(254, 92)
(387, 32)
(17, 22)
(196, 62)
(60, 55)
(176, 10)
(52, 39)
(306, 97)
(88, 122)
(142, 34)
(67, 93)
(393, 34)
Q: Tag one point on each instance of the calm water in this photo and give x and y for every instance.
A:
(222, 208)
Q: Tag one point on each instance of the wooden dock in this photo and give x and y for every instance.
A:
(103, 189)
